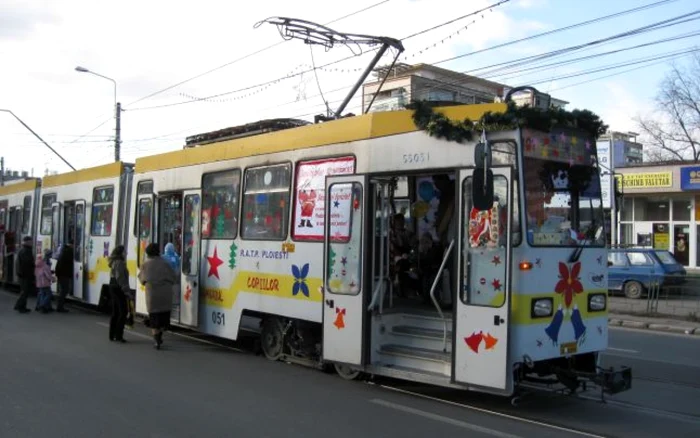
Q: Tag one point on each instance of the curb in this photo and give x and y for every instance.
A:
(617, 322)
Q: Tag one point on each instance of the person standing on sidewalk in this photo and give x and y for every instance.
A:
(25, 272)
(64, 273)
(119, 291)
(44, 278)
(159, 278)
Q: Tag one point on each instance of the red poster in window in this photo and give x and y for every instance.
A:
(310, 194)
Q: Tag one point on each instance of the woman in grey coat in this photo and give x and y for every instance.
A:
(159, 278)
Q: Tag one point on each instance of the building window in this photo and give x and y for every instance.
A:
(681, 209)
(220, 193)
(266, 202)
(46, 216)
(102, 208)
(651, 209)
(627, 209)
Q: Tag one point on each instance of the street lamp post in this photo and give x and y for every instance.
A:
(117, 111)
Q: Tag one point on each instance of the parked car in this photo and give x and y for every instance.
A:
(634, 270)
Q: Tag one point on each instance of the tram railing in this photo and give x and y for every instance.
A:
(438, 276)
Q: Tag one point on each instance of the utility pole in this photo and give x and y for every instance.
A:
(117, 135)
(2, 171)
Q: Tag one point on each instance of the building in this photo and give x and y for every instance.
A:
(426, 82)
(660, 208)
(624, 147)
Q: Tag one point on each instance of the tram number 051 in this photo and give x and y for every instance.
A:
(218, 318)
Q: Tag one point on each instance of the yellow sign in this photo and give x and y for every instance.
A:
(645, 180)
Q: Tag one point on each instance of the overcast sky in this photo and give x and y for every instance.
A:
(147, 46)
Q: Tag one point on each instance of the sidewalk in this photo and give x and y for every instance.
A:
(659, 324)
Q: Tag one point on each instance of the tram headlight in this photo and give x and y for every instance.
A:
(541, 307)
(597, 302)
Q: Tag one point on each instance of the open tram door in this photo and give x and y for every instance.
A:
(482, 310)
(144, 230)
(78, 238)
(189, 280)
(345, 288)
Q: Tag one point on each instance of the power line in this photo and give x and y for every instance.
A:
(249, 55)
(325, 65)
(559, 52)
(561, 29)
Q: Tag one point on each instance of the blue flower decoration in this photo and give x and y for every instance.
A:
(300, 280)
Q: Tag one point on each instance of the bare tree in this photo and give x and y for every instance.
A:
(673, 130)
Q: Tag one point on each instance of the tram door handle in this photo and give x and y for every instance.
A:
(330, 303)
(497, 320)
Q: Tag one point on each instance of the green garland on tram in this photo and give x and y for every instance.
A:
(438, 125)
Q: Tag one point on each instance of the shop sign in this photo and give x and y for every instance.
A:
(645, 180)
(690, 178)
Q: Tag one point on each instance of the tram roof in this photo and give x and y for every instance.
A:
(90, 174)
(363, 127)
(19, 187)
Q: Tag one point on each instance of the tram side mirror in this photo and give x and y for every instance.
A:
(482, 189)
(482, 155)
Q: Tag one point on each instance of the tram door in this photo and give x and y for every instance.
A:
(169, 232)
(189, 291)
(344, 280)
(146, 219)
(74, 214)
(482, 317)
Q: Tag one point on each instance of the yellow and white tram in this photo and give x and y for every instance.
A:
(371, 245)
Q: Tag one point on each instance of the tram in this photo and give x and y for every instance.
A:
(375, 245)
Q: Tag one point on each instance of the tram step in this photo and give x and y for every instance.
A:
(425, 321)
(428, 338)
(424, 359)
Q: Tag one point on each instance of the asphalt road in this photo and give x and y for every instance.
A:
(60, 376)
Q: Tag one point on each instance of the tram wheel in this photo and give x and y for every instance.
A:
(346, 372)
(271, 339)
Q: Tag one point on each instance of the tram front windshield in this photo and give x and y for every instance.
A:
(564, 205)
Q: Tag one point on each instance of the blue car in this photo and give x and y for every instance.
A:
(633, 270)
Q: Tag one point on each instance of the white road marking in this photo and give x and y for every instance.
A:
(623, 350)
(443, 419)
(495, 413)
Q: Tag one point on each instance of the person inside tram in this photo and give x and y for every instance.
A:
(399, 251)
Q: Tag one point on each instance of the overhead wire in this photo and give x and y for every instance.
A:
(588, 22)
(264, 49)
(325, 65)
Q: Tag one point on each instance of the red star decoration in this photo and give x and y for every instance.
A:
(496, 284)
(496, 260)
(214, 263)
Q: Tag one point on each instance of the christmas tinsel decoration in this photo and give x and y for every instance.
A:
(438, 125)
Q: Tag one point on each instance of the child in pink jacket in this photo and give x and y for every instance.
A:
(44, 278)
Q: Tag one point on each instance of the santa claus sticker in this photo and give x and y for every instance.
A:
(309, 209)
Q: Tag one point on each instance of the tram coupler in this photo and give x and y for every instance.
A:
(610, 380)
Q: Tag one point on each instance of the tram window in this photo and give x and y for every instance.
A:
(145, 213)
(27, 213)
(144, 187)
(266, 202)
(3, 214)
(344, 263)
(484, 247)
(102, 208)
(220, 204)
(191, 241)
(46, 216)
(309, 193)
